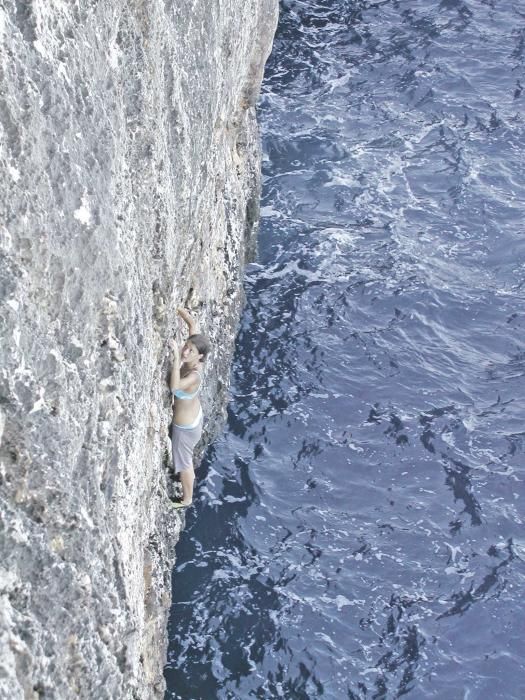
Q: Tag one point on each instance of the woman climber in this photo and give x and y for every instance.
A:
(185, 386)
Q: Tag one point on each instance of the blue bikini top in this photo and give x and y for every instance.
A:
(181, 394)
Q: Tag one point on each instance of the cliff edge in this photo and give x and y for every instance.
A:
(130, 184)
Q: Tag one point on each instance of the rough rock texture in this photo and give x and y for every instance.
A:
(129, 184)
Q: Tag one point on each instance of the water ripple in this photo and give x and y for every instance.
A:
(359, 532)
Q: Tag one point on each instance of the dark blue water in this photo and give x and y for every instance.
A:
(359, 531)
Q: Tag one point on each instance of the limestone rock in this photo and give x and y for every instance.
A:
(130, 184)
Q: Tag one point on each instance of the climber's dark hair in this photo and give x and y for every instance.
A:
(202, 344)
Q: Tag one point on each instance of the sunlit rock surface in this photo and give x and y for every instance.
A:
(130, 184)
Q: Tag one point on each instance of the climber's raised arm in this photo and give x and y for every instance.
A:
(188, 320)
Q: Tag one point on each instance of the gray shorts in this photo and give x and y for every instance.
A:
(183, 440)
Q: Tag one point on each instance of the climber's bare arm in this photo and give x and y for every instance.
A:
(188, 320)
(187, 383)
(175, 369)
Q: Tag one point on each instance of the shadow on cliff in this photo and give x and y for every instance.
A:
(217, 562)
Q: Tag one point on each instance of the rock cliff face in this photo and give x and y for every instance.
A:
(130, 185)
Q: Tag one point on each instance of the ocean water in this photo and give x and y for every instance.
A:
(359, 526)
